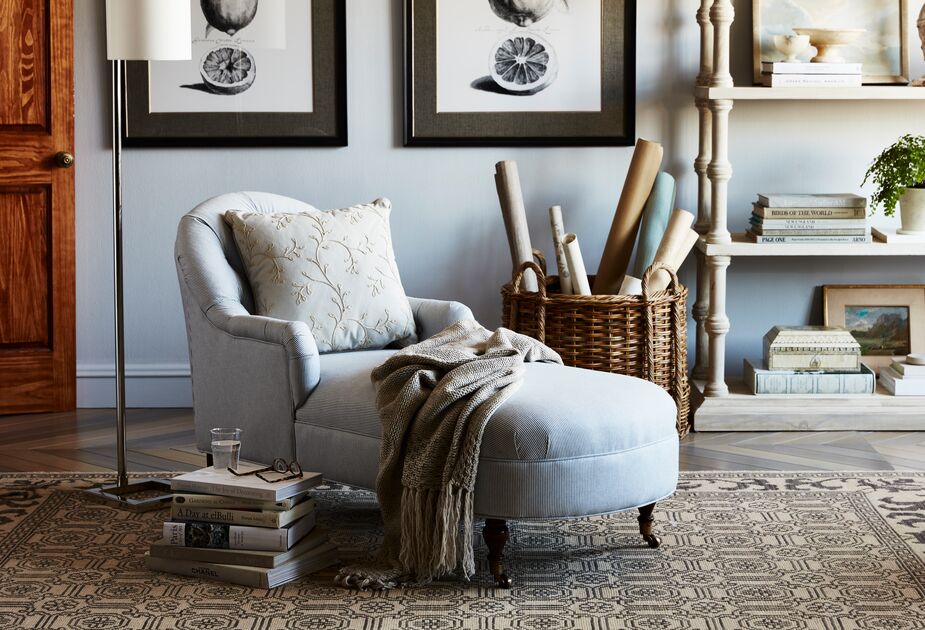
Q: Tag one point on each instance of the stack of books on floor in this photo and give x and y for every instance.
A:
(785, 74)
(800, 219)
(809, 360)
(903, 378)
(241, 530)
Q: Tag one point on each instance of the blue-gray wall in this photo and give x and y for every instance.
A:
(447, 228)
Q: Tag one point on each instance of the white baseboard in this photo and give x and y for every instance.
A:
(146, 385)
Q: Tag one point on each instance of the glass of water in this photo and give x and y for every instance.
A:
(226, 449)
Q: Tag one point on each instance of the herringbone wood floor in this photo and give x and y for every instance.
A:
(162, 440)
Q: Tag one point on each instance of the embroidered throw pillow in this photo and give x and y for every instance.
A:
(334, 270)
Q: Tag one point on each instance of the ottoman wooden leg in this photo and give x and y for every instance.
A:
(647, 526)
(496, 535)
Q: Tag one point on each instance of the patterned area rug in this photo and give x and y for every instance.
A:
(767, 551)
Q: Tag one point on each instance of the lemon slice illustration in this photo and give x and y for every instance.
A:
(523, 63)
(228, 70)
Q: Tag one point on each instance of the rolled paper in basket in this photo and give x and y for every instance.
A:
(636, 190)
(511, 197)
(631, 286)
(576, 264)
(654, 222)
(676, 258)
(558, 233)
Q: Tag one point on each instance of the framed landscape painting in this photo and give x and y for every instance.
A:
(887, 320)
(519, 72)
(271, 72)
(883, 49)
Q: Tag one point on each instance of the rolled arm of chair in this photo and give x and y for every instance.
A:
(432, 316)
(295, 338)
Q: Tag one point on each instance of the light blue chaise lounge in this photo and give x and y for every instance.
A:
(568, 443)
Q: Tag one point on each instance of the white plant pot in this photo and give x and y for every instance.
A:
(912, 211)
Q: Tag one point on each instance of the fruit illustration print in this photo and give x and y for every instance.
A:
(228, 16)
(522, 62)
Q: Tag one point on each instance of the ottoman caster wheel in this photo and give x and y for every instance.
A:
(654, 542)
(504, 581)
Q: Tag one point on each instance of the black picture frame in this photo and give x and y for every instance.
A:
(614, 125)
(326, 125)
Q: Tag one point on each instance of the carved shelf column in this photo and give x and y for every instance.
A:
(717, 327)
(701, 306)
(722, 14)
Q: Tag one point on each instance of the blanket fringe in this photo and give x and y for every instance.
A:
(437, 530)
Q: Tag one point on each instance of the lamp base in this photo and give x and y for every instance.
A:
(120, 495)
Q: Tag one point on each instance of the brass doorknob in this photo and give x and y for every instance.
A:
(64, 159)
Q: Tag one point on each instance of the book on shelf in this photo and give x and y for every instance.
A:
(812, 80)
(257, 518)
(234, 503)
(809, 224)
(762, 230)
(763, 382)
(209, 481)
(817, 201)
(895, 384)
(786, 67)
(309, 562)
(224, 536)
(890, 235)
(906, 370)
(242, 557)
(762, 239)
(808, 214)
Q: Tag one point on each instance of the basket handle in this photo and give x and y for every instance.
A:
(541, 307)
(675, 283)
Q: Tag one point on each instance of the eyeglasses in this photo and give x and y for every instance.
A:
(280, 467)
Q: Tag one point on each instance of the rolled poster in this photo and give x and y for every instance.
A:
(677, 243)
(655, 219)
(558, 233)
(576, 264)
(631, 286)
(636, 190)
(507, 180)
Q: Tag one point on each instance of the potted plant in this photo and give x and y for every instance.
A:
(899, 174)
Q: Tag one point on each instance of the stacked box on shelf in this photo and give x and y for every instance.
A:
(242, 530)
(809, 360)
(902, 378)
(789, 74)
(792, 219)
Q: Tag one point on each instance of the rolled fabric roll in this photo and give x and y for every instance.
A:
(510, 195)
(675, 258)
(576, 264)
(655, 219)
(558, 233)
(618, 249)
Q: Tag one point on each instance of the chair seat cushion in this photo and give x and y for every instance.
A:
(568, 442)
(557, 412)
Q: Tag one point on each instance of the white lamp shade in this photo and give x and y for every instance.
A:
(152, 30)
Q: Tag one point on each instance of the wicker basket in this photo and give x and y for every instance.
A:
(643, 336)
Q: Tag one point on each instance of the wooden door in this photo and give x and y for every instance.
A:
(37, 358)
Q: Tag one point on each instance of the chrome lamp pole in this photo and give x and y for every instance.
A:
(135, 30)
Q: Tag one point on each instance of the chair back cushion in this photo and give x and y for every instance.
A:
(334, 270)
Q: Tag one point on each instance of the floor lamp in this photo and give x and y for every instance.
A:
(146, 30)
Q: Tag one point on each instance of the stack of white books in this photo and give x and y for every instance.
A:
(814, 218)
(798, 74)
(242, 530)
(903, 379)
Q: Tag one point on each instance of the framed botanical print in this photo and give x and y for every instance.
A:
(888, 320)
(520, 72)
(883, 50)
(271, 72)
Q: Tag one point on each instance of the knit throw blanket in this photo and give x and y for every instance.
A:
(434, 399)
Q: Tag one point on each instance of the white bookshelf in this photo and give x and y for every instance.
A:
(741, 245)
(866, 93)
(722, 406)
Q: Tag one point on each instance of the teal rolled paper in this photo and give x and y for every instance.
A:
(655, 218)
